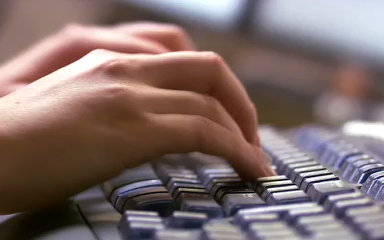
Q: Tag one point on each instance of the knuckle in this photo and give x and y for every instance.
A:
(73, 33)
(213, 105)
(176, 30)
(110, 65)
(213, 59)
(201, 128)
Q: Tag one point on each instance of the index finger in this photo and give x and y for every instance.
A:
(206, 73)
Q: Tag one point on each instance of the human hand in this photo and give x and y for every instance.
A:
(107, 112)
(75, 41)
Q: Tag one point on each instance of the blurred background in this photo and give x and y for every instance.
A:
(300, 61)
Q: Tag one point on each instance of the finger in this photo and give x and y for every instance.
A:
(189, 103)
(75, 42)
(169, 35)
(204, 73)
(185, 133)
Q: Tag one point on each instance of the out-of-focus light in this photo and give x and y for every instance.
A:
(220, 14)
(351, 27)
(369, 129)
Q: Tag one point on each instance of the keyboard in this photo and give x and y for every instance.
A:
(329, 186)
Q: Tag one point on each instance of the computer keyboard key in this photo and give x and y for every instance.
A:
(223, 191)
(283, 164)
(297, 196)
(321, 190)
(341, 156)
(137, 213)
(187, 220)
(290, 167)
(364, 222)
(117, 193)
(363, 211)
(142, 173)
(203, 171)
(176, 234)
(214, 181)
(245, 220)
(262, 180)
(376, 191)
(361, 174)
(122, 198)
(374, 234)
(265, 194)
(303, 224)
(260, 188)
(200, 203)
(139, 230)
(293, 215)
(295, 172)
(211, 176)
(161, 202)
(306, 184)
(350, 168)
(330, 201)
(372, 179)
(279, 209)
(234, 202)
(270, 230)
(178, 191)
(226, 186)
(173, 180)
(341, 207)
(300, 177)
(177, 185)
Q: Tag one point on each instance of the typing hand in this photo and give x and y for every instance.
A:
(75, 41)
(107, 112)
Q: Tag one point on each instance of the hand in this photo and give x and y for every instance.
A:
(107, 112)
(75, 41)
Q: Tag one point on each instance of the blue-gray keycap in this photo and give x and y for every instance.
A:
(280, 209)
(292, 216)
(173, 189)
(210, 176)
(260, 188)
(257, 184)
(177, 234)
(283, 164)
(300, 177)
(348, 163)
(349, 171)
(377, 188)
(117, 193)
(245, 220)
(126, 195)
(187, 220)
(139, 225)
(361, 174)
(340, 207)
(305, 185)
(296, 171)
(200, 203)
(320, 191)
(290, 167)
(265, 194)
(330, 201)
(372, 179)
(297, 196)
(153, 201)
(234, 202)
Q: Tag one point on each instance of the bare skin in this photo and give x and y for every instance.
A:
(70, 123)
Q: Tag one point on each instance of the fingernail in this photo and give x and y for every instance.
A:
(266, 163)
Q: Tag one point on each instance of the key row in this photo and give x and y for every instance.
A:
(351, 163)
